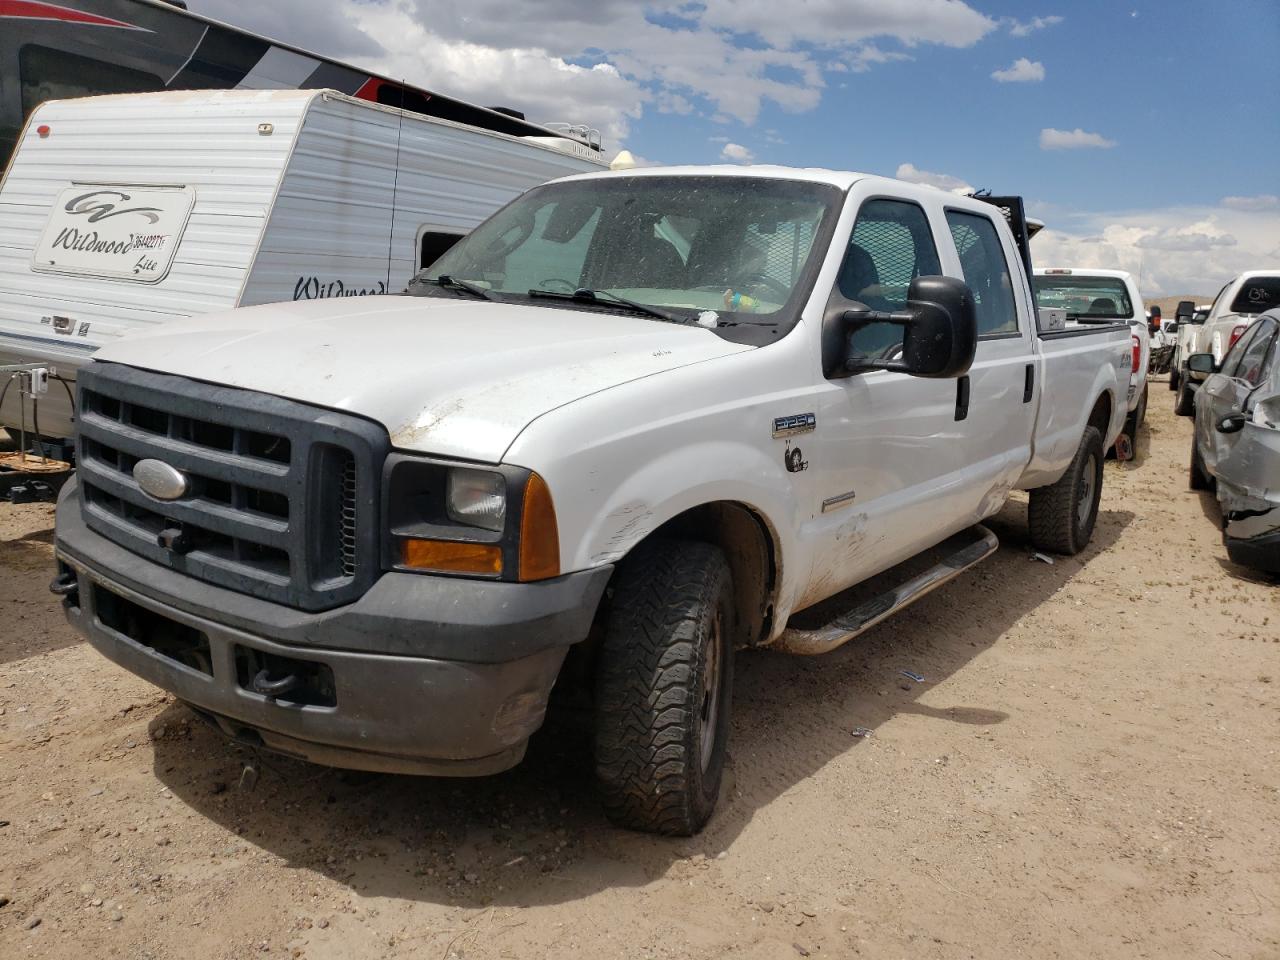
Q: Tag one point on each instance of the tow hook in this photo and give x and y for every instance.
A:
(67, 586)
(263, 684)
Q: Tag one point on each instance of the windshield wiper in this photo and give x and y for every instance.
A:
(585, 295)
(453, 283)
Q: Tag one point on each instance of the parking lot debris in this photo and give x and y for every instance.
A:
(34, 922)
(4, 901)
(248, 778)
(863, 732)
(912, 676)
(1043, 558)
(800, 950)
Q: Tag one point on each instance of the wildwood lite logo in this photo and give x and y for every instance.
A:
(126, 233)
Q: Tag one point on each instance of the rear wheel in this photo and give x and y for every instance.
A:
(1062, 515)
(1185, 406)
(663, 686)
(1140, 414)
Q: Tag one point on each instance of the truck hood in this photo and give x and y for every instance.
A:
(455, 378)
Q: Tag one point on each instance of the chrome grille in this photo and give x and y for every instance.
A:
(278, 492)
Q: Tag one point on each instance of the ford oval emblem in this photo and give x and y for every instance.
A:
(157, 479)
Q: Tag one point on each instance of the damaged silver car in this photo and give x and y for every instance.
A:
(1236, 445)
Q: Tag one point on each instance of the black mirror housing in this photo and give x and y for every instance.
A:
(1186, 309)
(1202, 363)
(940, 332)
(1232, 423)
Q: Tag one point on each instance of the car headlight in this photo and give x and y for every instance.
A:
(496, 523)
(477, 498)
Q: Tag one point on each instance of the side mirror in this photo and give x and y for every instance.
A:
(1186, 309)
(1232, 423)
(1201, 363)
(940, 332)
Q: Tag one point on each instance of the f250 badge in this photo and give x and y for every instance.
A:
(795, 424)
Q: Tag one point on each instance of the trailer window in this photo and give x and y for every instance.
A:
(46, 74)
(434, 244)
(986, 272)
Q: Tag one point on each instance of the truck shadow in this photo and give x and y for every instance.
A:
(33, 622)
(536, 835)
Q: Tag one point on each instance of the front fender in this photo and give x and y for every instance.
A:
(677, 480)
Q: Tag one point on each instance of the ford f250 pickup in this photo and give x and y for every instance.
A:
(631, 424)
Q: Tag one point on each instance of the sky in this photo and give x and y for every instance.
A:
(1145, 134)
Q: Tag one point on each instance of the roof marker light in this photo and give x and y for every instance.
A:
(43, 131)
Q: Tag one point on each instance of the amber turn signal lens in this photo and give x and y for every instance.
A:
(452, 557)
(539, 534)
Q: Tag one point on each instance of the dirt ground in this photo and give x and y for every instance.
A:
(1089, 769)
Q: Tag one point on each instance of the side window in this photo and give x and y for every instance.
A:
(53, 75)
(1251, 366)
(891, 245)
(433, 244)
(985, 271)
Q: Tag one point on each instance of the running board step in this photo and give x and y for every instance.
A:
(973, 546)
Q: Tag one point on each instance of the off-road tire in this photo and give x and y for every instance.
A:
(1185, 405)
(1198, 477)
(672, 605)
(1140, 415)
(1062, 515)
(1173, 376)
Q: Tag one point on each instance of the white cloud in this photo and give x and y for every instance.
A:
(1019, 28)
(1052, 139)
(1022, 70)
(1193, 250)
(1263, 201)
(943, 181)
(736, 153)
(604, 61)
(827, 23)
(869, 55)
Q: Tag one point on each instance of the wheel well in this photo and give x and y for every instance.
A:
(1100, 416)
(749, 546)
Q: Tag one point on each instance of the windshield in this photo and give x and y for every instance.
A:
(737, 246)
(1081, 296)
(1257, 295)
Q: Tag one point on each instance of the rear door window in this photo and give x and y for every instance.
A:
(986, 271)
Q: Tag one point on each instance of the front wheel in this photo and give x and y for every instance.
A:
(1198, 477)
(1185, 406)
(1140, 414)
(1062, 515)
(1173, 375)
(663, 684)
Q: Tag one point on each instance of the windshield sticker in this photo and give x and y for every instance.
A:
(795, 424)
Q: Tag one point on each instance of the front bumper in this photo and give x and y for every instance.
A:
(422, 674)
(1253, 539)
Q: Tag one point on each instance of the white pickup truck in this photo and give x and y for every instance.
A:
(630, 424)
(1095, 294)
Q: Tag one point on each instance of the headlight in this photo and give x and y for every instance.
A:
(496, 523)
(477, 498)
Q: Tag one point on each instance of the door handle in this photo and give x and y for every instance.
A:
(1029, 383)
(962, 397)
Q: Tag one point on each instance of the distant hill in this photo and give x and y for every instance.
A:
(1169, 305)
